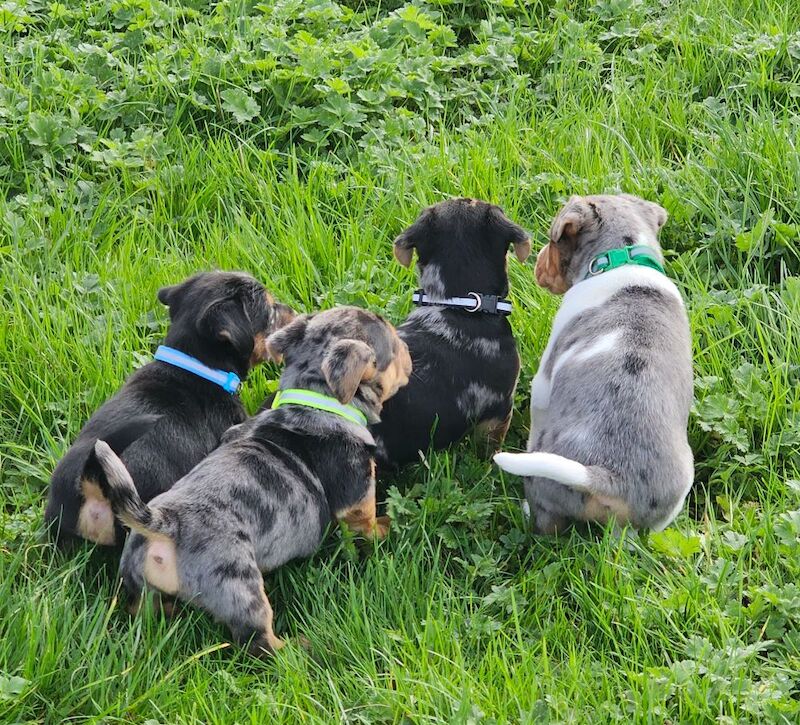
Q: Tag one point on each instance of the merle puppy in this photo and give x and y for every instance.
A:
(610, 401)
(165, 419)
(267, 495)
(463, 351)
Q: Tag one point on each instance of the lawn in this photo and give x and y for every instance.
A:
(141, 141)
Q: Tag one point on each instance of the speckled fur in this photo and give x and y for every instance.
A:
(268, 493)
(465, 365)
(610, 401)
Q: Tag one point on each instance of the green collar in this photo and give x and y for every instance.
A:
(639, 254)
(312, 399)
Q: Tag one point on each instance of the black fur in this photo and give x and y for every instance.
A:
(465, 365)
(165, 420)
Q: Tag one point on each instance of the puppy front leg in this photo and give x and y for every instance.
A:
(361, 516)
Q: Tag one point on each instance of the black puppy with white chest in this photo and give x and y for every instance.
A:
(171, 412)
(464, 355)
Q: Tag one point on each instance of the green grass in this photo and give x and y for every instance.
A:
(460, 616)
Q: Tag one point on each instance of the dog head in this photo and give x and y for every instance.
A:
(590, 225)
(348, 352)
(461, 247)
(223, 318)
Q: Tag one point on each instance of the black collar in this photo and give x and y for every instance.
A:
(472, 302)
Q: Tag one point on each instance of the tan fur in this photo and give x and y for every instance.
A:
(260, 350)
(548, 270)
(491, 433)
(603, 508)
(396, 375)
(361, 517)
(161, 565)
(272, 639)
(523, 250)
(96, 519)
(403, 255)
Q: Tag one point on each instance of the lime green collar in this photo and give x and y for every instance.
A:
(639, 254)
(312, 399)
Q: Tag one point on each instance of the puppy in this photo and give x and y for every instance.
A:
(266, 496)
(165, 419)
(463, 351)
(610, 401)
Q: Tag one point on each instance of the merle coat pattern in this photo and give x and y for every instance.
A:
(165, 420)
(267, 495)
(610, 401)
(466, 364)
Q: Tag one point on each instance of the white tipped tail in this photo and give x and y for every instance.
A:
(547, 465)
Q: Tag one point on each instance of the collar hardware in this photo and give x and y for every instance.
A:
(229, 381)
(639, 254)
(473, 302)
(313, 399)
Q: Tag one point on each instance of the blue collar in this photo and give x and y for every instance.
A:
(229, 382)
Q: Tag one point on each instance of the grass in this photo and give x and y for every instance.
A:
(460, 616)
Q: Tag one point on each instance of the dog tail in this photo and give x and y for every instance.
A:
(596, 480)
(117, 486)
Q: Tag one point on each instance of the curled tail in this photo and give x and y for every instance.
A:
(591, 479)
(117, 486)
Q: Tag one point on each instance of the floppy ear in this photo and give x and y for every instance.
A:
(171, 294)
(548, 270)
(514, 234)
(568, 221)
(283, 315)
(659, 214)
(403, 248)
(286, 337)
(226, 321)
(406, 242)
(347, 364)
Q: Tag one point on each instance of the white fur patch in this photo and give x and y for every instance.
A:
(604, 343)
(431, 281)
(547, 465)
(476, 399)
(433, 321)
(585, 295)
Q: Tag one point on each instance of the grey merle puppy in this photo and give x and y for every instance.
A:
(164, 419)
(465, 360)
(610, 401)
(266, 495)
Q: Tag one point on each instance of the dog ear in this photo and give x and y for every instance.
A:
(512, 233)
(408, 240)
(171, 294)
(404, 248)
(657, 213)
(283, 315)
(347, 364)
(548, 270)
(279, 342)
(226, 321)
(569, 221)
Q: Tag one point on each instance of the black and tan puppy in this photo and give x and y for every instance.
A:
(166, 419)
(267, 495)
(463, 351)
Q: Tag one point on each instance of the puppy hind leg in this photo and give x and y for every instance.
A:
(234, 595)
(490, 434)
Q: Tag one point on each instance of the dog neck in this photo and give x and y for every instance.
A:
(459, 282)
(365, 399)
(213, 354)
